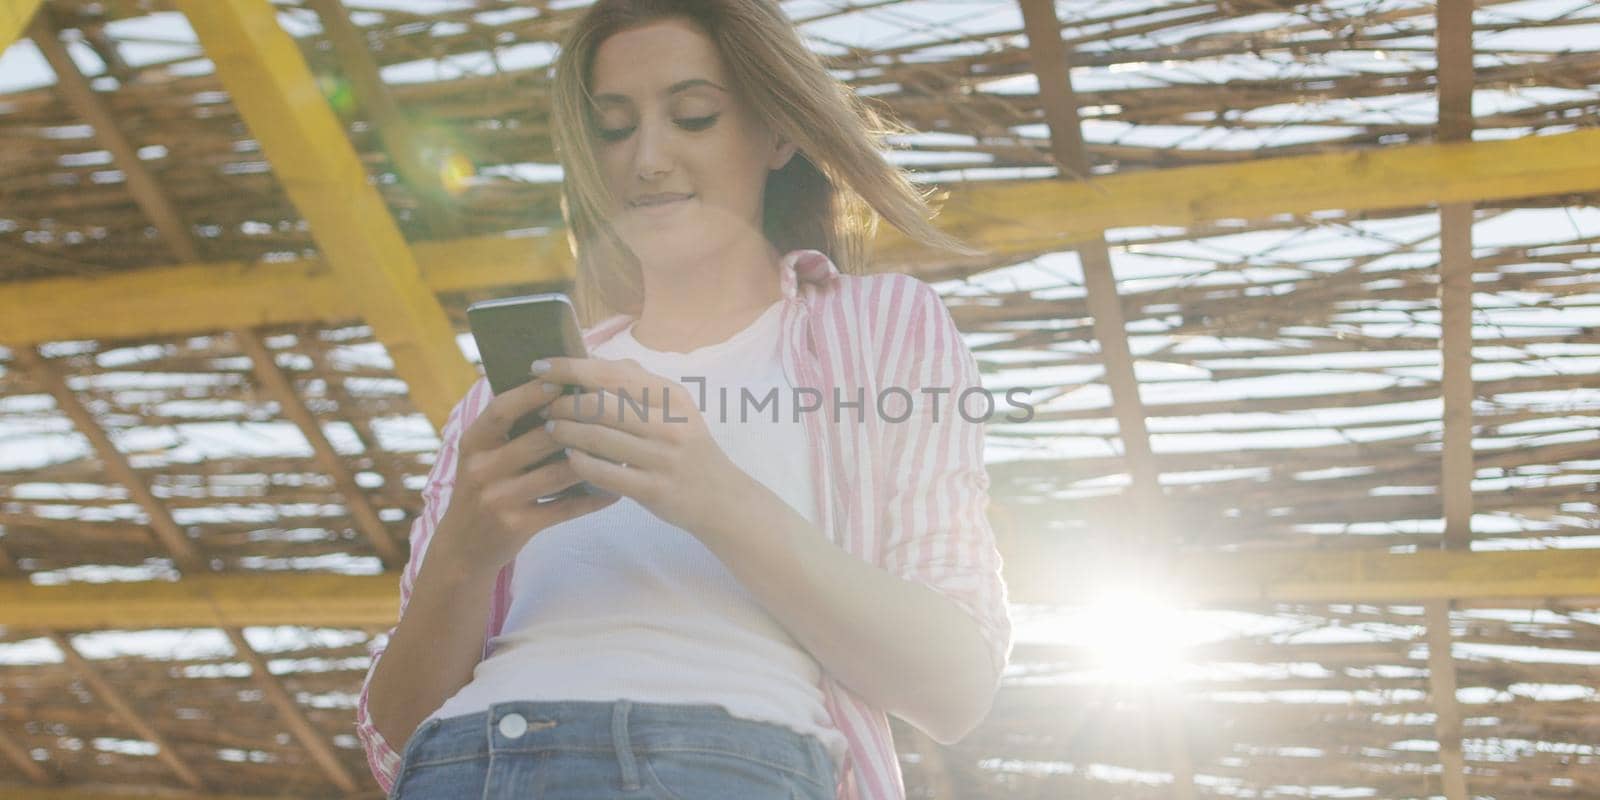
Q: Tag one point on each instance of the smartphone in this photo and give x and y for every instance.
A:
(513, 332)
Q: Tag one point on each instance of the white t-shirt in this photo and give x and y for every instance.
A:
(619, 604)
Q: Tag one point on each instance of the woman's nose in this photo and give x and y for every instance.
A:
(652, 157)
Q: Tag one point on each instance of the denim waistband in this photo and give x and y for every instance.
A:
(624, 727)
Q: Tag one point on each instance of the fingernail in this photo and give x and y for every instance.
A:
(550, 426)
(541, 366)
(549, 388)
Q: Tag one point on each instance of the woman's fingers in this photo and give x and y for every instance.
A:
(545, 481)
(607, 409)
(493, 424)
(547, 515)
(619, 479)
(622, 377)
(606, 442)
(528, 449)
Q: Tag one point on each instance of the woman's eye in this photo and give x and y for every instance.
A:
(698, 123)
(695, 124)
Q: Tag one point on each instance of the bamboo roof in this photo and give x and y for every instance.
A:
(1303, 294)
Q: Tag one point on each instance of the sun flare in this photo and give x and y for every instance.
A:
(1131, 636)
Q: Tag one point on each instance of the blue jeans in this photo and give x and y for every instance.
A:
(587, 750)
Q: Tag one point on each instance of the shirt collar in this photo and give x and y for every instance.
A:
(808, 266)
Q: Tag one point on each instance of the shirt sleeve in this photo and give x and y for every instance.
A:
(382, 759)
(936, 529)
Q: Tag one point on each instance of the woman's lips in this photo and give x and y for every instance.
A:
(660, 204)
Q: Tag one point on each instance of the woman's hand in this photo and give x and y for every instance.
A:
(495, 498)
(637, 434)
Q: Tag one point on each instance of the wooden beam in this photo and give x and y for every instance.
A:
(1168, 709)
(1002, 216)
(1035, 216)
(8, 563)
(1230, 580)
(279, 387)
(84, 101)
(163, 527)
(1442, 694)
(1453, 43)
(217, 296)
(14, 18)
(1369, 576)
(95, 36)
(109, 695)
(292, 714)
(1147, 529)
(1454, 34)
(1052, 64)
(313, 159)
(207, 601)
(1454, 50)
(1455, 381)
(399, 135)
(19, 757)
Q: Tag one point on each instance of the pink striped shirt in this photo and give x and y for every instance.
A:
(908, 497)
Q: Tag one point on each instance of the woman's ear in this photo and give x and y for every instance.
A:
(782, 151)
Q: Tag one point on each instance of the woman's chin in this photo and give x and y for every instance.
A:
(684, 242)
(682, 237)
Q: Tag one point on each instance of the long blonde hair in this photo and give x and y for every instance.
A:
(830, 195)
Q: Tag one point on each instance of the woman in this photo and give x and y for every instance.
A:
(768, 572)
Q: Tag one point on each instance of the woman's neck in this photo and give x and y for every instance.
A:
(689, 305)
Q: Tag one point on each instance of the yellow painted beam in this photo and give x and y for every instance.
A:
(1004, 217)
(314, 161)
(1041, 215)
(14, 18)
(222, 295)
(209, 601)
(238, 600)
(1331, 577)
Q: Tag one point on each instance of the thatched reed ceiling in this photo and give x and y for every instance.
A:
(1288, 365)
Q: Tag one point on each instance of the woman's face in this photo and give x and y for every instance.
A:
(684, 158)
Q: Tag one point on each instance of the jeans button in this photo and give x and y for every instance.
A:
(513, 725)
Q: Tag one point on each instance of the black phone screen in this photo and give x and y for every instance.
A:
(512, 333)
